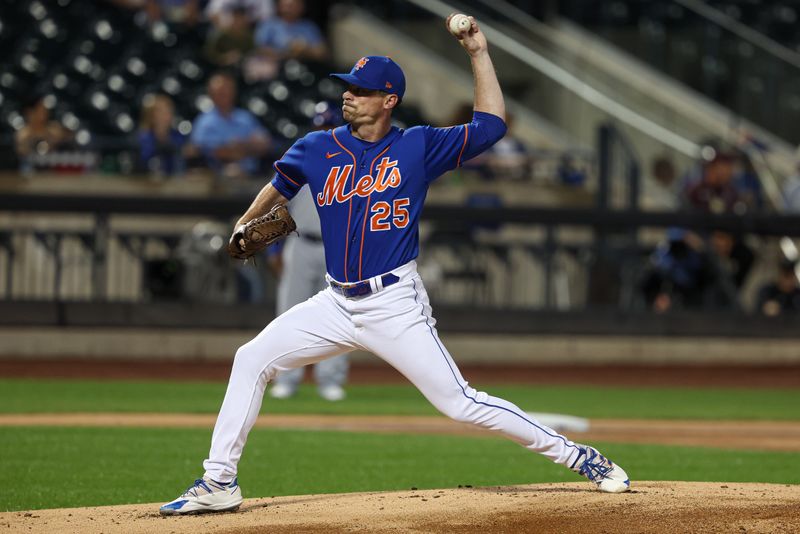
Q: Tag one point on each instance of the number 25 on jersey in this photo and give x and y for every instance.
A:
(384, 215)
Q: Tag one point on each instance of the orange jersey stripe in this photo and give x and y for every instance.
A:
(350, 212)
(366, 213)
(284, 174)
(466, 136)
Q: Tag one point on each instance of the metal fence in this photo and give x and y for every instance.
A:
(135, 250)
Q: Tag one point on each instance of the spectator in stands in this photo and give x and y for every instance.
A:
(748, 181)
(133, 5)
(227, 46)
(781, 296)
(174, 12)
(714, 191)
(289, 35)
(230, 139)
(735, 258)
(791, 189)
(682, 274)
(219, 12)
(791, 194)
(160, 143)
(569, 172)
(748, 184)
(39, 135)
(658, 193)
(509, 158)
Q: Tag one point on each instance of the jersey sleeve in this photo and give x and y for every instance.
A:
(289, 172)
(448, 148)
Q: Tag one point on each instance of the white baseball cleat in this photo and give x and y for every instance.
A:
(609, 477)
(281, 391)
(332, 393)
(205, 496)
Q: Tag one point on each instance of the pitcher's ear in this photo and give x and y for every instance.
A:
(391, 101)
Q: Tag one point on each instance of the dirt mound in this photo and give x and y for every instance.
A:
(677, 507)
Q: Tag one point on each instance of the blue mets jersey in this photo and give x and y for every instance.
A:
(370, 195)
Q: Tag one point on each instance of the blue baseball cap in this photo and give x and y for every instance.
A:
(380, 73)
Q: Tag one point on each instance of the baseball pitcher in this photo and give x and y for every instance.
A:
(369, 181)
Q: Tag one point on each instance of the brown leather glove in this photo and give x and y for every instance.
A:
(256, 235)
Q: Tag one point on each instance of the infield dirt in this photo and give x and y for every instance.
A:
(655, 507)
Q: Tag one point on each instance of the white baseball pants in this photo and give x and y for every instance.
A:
(395, 324)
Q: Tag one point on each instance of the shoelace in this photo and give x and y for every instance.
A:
(199, 483)
(596, 466)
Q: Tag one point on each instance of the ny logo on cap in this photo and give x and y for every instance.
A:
(361, 62)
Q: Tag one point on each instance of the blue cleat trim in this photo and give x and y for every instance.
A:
(581, 454)
(177, 505)
(595, 467)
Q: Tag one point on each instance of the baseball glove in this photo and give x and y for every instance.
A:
(259, 233)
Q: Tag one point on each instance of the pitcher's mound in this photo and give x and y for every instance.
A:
(677, 507)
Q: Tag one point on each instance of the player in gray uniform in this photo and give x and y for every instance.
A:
(302, 277)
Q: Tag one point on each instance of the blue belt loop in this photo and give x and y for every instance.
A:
(360, 289)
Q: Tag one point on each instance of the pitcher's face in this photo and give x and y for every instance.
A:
(360, 105)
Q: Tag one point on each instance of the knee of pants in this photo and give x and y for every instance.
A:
(250, 361)
(469, 406)
(457, 406)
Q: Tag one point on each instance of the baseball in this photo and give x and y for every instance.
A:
(459, 23)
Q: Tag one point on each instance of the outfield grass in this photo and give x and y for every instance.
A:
(32, 396)
(64, 467)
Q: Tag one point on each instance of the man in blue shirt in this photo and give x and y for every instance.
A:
(289, 35)
(230, 139)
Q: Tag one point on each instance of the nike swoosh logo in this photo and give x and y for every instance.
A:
(328, 155)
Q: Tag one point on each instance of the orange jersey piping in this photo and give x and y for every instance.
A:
(366, 213)
(284, 174)
(350, 211)
(466, 135)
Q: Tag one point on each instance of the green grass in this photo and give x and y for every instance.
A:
(64, 467)
(32, 396)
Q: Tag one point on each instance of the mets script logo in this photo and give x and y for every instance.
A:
(388, 175)
(361, 62)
